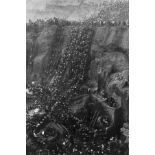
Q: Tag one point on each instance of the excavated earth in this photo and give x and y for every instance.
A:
(78, 90)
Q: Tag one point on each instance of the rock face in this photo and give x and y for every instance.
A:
(110, 35)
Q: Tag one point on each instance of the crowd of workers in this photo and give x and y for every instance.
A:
(71, 72)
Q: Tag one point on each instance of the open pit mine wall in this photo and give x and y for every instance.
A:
(40, 47)
(109, 52)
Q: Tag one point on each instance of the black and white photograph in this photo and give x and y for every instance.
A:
(65, 71)
(77, 77)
